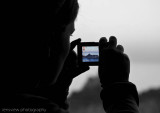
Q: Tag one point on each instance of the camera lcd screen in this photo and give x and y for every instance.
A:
(90, 54)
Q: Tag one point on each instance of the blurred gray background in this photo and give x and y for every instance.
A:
(136, 24)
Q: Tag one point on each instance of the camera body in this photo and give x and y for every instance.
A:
(88, 53)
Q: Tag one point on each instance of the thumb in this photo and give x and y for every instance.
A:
(74, 43)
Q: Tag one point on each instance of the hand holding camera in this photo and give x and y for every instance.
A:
(114, 65)
(71, 68)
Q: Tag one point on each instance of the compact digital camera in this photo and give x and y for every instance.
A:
(88, 53)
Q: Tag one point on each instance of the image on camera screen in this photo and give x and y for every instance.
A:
(90, 54)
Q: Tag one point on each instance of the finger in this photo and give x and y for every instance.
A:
(127, 60)
(112, 42)
(120, 48)
(74, 43)
(103, 43)
(126, 56)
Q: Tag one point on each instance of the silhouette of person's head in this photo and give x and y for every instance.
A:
(38, 41)
(62, 30)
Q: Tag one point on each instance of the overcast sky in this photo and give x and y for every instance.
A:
(135, 23)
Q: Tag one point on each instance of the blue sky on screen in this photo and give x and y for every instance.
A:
(90, 50)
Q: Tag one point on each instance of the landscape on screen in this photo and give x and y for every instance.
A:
(90, 54)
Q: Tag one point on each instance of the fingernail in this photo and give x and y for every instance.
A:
(103, 39)
(112, 38)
